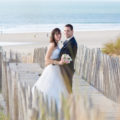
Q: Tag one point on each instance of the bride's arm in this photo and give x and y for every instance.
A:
(48, 54)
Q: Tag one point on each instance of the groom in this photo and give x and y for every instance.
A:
(70, 48)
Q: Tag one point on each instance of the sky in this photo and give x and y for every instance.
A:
(62, 0)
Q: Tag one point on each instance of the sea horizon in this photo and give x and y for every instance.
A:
(48, 27)
(42, 16)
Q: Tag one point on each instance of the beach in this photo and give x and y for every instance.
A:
(25, 31)
(26, 42)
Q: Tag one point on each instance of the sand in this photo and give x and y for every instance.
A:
(92, 39)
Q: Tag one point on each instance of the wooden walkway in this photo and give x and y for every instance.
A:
(107, 106)
(29, 73)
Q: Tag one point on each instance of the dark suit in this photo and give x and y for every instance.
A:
(68, 70)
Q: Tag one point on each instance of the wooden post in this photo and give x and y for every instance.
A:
(0, 68)
(100, 70)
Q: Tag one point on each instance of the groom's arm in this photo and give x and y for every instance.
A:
(72, 50)
(66, 50)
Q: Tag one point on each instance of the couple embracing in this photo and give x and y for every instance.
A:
(59, 65)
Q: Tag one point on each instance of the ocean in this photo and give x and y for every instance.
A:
(44, 16)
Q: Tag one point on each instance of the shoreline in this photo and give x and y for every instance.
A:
(35, 32)
(31, 28)
(91, 39)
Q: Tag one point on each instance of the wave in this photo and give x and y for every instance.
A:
(49, 27)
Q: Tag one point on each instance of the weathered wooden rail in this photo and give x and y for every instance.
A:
(39, 55)
(92, 68)
(0, 68)
(22, 105)
(13, 57)
(99, 70)
(110, 108)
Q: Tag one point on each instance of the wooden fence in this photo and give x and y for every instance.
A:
(17, 57)
(22, 105)
(0, 68)
(13, 57)
(39, 56)
(100, 70)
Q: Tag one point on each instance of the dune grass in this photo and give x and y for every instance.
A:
(112, 48)
(3, 117)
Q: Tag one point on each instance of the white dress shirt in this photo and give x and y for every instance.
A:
(69, 38)
(60, 44)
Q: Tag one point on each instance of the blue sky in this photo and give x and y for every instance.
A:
(63, 0)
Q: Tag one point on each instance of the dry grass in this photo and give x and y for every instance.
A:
(3, 117)
(112, 48)
(74, 107)
(80, 108)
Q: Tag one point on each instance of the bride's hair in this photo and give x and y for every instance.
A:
(54, 31)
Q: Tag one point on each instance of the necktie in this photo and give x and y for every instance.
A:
(65, 42)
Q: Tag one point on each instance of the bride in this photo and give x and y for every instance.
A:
(51, 81)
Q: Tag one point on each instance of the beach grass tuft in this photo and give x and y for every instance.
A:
(3, 116)
(112, 48)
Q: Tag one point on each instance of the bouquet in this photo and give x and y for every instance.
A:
(66, 58)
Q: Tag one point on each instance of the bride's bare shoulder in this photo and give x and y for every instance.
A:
(49, 50)
(51, 46)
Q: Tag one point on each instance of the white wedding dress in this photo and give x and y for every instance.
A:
(51, 82)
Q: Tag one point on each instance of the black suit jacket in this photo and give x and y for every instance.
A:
(68, 70)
